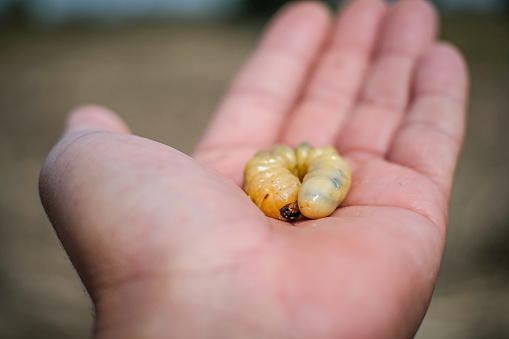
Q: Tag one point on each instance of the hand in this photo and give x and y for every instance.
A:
(170, 246)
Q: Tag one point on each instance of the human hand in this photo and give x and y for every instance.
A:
(170, 246)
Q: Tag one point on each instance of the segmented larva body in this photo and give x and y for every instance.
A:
(286, 182)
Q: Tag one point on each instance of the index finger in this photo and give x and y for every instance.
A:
(254, 109)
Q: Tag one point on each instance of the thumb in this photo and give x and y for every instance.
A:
(69, 189)
(92, 117)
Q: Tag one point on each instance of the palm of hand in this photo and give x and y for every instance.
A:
(186, 246)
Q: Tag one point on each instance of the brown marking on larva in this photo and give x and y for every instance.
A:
(290, 211)
(266, 196)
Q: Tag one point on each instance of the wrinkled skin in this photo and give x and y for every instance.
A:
(170, 246)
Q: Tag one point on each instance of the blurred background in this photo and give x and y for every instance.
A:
(164, 65)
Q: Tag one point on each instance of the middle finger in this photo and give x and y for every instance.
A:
(338, 75)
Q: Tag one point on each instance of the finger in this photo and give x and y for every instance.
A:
(339, 73)
(431, 136)
(255, 107)
(408, 32)
(92, 118)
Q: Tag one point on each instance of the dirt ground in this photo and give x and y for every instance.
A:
(165, 81)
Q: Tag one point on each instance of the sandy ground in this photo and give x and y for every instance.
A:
(165, 81)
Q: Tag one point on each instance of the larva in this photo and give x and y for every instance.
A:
(286, 182)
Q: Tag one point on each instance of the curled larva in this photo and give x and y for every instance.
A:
(286, 182)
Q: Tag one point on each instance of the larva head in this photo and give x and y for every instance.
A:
(290, 211)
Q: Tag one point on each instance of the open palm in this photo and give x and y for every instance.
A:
(170, 246)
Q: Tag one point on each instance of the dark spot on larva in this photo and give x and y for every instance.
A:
(336, 182)
(266, 196)
(290, 211)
